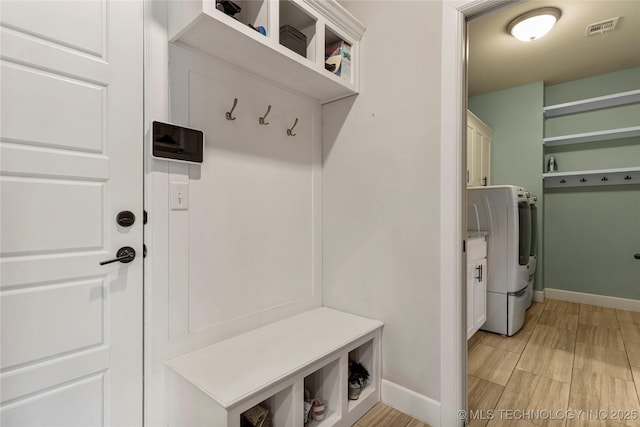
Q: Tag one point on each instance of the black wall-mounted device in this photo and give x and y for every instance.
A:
(177, 143)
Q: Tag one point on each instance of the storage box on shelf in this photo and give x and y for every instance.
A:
(271, 366)
(616, 176)
(200, 25)
(297, 28)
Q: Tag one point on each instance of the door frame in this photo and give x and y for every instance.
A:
(453, 106)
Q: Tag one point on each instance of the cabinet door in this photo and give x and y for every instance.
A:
(484, 145)
(480, 293)
(471, 295)
(476, 161)
(478, 152)
(470, 133)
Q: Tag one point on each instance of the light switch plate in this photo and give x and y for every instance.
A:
(179, 196)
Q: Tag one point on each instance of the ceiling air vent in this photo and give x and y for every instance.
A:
(601, 27)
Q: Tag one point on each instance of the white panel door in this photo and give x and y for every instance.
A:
(70, 160)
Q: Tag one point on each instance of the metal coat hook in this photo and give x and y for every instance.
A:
(627, 177)
(290, 131)
(230, 113)
(604, 178)
(262, 122)
(583, 180)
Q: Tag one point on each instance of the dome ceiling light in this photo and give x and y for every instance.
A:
(534, 24)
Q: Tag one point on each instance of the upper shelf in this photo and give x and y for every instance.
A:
(591, 104)
(198, 24)
(603, 135)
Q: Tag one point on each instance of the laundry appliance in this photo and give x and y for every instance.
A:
(533, 257)
(504, 212)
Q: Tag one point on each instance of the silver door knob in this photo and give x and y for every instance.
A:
(125, 255)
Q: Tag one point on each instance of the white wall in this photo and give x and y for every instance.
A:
(381, 177)
(248, 249)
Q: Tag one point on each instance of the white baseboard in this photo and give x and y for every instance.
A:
(411, 403)
(593, 299)
(538, 296)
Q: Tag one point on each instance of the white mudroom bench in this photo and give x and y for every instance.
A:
(272, 366)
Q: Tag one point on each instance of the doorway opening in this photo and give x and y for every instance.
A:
(580, 335)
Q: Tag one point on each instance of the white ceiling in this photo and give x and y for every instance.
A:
(499, 61)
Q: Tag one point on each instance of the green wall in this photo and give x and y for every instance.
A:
(515, 115)
(588, 235)
(591, 233)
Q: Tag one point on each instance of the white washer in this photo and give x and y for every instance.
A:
(504, 212)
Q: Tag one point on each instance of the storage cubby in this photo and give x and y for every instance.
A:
(294, 17)
(339, 53)
(324, 384)
(363, 354)
(280, 409)
(252, 12)
(198, 24)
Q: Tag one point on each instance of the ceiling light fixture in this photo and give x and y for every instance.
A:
(534, 24)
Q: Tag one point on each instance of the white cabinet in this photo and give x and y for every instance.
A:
(478, 151)
(476, 284)
(200, 25)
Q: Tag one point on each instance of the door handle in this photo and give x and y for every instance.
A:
(125, 255)
(637, 256)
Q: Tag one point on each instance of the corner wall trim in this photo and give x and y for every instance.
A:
(538, 296)
(593, 299)
(411, 403)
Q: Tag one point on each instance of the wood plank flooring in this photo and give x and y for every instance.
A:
(577, 358)
(382, 415)
(570, 365)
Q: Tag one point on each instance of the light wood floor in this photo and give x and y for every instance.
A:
(568, 357)
(382, 415)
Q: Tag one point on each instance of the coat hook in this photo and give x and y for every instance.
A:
(230, 113)
(262, 122)
(627, 177)
(583, 180)
(604, 178)
(290, 131)
(562, 181)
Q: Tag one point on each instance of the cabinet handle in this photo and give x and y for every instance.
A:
(479, 277)
(484, 181)
(467, 176)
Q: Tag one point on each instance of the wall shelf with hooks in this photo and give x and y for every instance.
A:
(596, 177)
(591, 104)
(199, 25)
